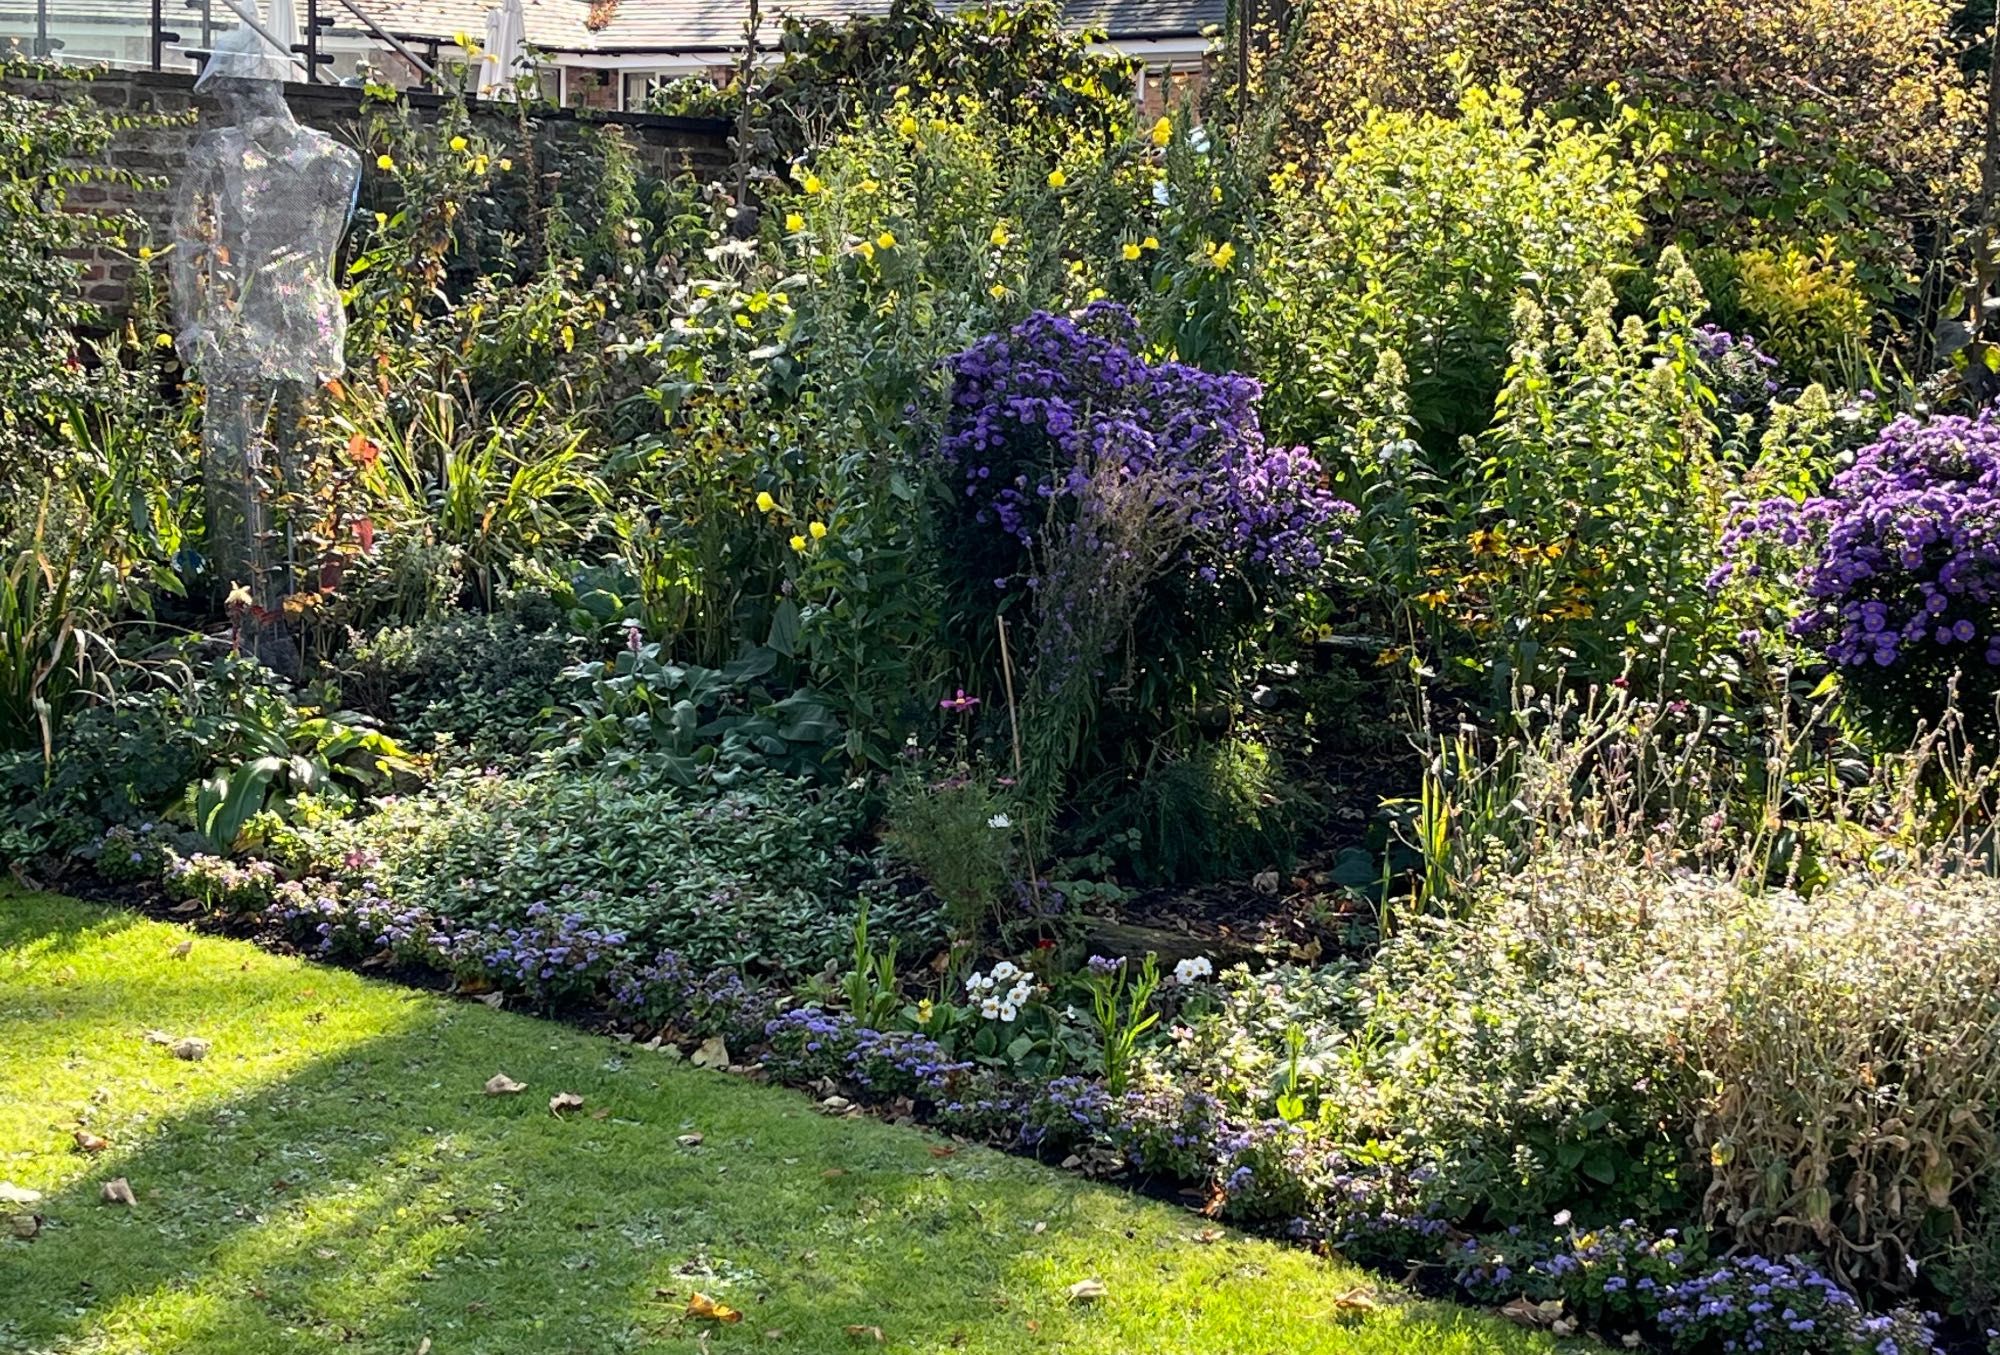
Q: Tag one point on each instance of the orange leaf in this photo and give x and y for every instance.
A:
(701, 1305)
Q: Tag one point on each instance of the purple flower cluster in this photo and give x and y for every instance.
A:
(219, 883)
(1789, 1307)
(809, 1043)
(550, 957)
(1901, 562)
(1742, 372)
(1168, 1131)
(1067, 1112)
(1040, 411)
(351, 924)
(667, 991)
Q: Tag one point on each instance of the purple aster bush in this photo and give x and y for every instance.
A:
(1136, 502)
(1898, 566)
(1744, 376)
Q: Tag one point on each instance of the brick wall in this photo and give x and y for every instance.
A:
(663, 145)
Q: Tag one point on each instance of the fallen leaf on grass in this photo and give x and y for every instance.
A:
(832, 1173)
(563, 1101)
(1356, 1300)
(192, 1048)
(1207, 1235)
(502, 1085)
(180, 952)
(944, 1150)
(861, 1333)
(119, 1191)
(689, 1140)
(159, 1037)
(1530, 1314)
(492, 999)
(701, 1305)
(424, 1346)
(24, 1226)
(13, 1194)
(90, 1143)
(1087, 1291)
(714, 1053)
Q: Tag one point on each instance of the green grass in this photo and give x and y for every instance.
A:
(331, 1178)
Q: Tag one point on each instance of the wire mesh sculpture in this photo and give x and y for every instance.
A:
(259, 217)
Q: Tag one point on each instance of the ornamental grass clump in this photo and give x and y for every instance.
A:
(1898, 566)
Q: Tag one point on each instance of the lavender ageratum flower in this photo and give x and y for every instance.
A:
(1787, 1307)
(1898, 563)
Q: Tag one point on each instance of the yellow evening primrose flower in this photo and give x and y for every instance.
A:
(1225, 254)
(742, 320)
(1131, 251)
(1057, 178)
(1215, 193)
(385, 162)
(765, 503)
(813, 184)
(818, 530)
(145, 253)
(798, 543)
(1163, 131)
(505, 164)
(163, 340)
(1150, 242)
(999, 237)
(381, 220)
(870, 186)
(908, 126)
(478, 164)
(459, 143)
(865, 249)
(794, 222)
(886, 240)
(997, 291)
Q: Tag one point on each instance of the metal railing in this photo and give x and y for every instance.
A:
(206, 18)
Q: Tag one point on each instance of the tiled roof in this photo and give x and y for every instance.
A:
(634, 26)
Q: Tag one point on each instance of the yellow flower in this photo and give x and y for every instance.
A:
(1437, 597)
(794, 222)
(145, 253)
(818, 530)
(381, 219)
(886, 240)
(798, 543)
(865, 250)
(459, 39)
(163, 340)
(458, 143)
(1215, 193)
(781, 298)
(999, 237)
(765, 503)
(908, 126)
(870, 186)
(385, 162)
(478, 164)
(997, 291)
(1224, 254)
(505, 164)
(1150, 242)
(742, 320)
(1131, 251)
(813, 184)
(1163, 131)
(1057, 178)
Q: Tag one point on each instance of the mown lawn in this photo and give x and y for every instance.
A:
(331, 1177)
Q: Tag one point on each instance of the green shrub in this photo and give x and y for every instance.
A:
(483, 680)
(1221, 811)
(1415, 237)
(955, 830)
(761, 875)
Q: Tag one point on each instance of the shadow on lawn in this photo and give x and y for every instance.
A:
(374, 1197)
